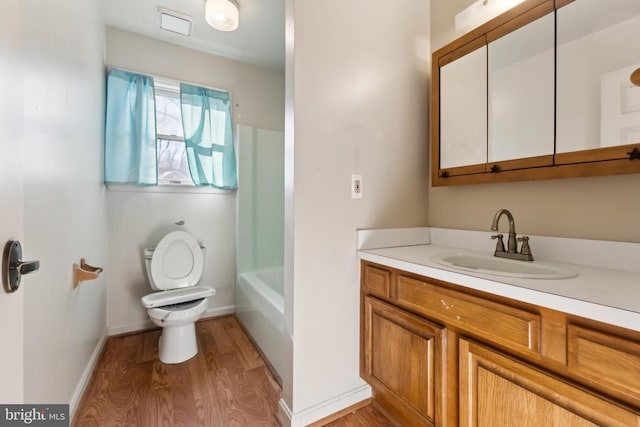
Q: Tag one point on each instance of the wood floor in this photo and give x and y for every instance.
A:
(226, 385)
(365, 417)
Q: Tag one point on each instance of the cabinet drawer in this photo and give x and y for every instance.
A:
(502, 324)
(376, 281)
(605, 359)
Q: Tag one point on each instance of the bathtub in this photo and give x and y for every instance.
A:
(260, 309)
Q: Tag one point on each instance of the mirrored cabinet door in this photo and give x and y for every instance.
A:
(598, 106)
(463, 110)
(549, 89)
(521, 93)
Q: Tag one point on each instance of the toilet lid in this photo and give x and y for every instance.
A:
(177, 261)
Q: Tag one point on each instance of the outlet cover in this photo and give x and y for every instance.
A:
(356, 186)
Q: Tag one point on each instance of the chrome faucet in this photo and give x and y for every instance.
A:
(512, 243)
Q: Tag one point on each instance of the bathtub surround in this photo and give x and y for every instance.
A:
(260, 198)
(138, 220)
(260, 251)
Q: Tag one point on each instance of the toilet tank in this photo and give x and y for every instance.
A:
(148, 254)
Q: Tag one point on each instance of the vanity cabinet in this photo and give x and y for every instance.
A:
(401, 353)
(440, 354)
(498, 390)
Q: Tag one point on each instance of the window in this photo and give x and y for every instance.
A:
(173, 168)
(162, 132)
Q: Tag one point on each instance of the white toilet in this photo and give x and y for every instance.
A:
(174, 268)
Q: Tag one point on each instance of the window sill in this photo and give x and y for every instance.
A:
(167, 189)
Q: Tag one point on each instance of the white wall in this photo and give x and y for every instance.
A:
(140, 219)
(257, 93)
(63, 194)
(11, 192)
(359, 105)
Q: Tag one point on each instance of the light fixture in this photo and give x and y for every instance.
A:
(222, 14)
(482, 11)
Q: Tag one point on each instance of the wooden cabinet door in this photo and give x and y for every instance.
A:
(497, 390)
(403, 361)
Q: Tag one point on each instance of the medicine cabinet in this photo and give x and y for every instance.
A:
(542, 91)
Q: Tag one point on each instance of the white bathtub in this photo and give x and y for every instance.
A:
(260, 309)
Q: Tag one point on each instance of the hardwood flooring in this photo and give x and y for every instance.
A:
(364, 417)
(226, 385)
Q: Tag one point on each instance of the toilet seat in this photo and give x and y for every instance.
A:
(176, 296)
(177, 261)
(172, 315)
(182, 305)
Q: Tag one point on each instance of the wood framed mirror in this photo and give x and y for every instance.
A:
(557, 98)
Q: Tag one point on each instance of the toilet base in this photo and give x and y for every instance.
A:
(178, 343)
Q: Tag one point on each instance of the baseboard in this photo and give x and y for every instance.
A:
(126, 328)
(219, 311)
(322, 410)
(86, 375)
(145, 324)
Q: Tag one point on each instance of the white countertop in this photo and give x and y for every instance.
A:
(602, 294)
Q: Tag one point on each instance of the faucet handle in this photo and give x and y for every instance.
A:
(525, 249)
(499, 243)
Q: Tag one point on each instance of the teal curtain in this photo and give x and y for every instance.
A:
(206, 121)
(130, 130)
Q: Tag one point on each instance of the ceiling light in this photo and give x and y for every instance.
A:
(482, 11)
(222, 14)
(175, 22)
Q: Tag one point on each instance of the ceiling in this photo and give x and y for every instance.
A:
(259, 40)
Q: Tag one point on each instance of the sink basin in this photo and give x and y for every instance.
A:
(486, 264)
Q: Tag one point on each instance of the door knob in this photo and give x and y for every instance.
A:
(13, 267)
